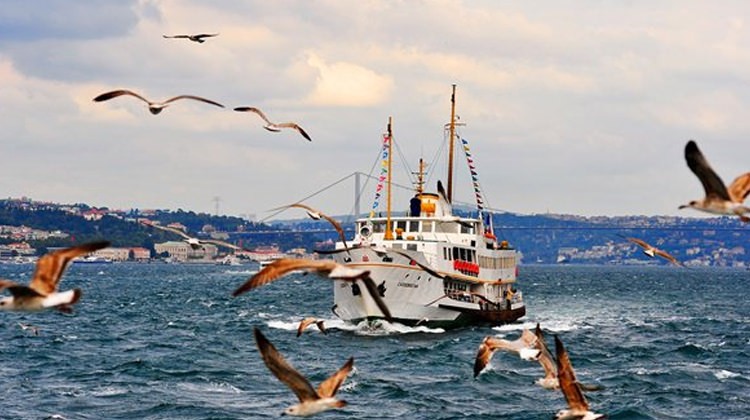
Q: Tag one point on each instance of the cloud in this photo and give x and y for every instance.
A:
(347, 84)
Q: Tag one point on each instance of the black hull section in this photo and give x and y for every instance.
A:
(467, 318)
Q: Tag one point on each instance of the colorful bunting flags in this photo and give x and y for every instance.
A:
(383, 174)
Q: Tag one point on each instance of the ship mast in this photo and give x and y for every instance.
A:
(452, 131)
(388, 233)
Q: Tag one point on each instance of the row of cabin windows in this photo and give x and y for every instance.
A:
(463, 254)
(424, 226)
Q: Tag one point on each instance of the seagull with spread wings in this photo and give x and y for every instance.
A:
(523, 346)
(317, 215)
(194, 242)
(333, 270)
(272, 126)
(309, 321)
(311, 400)
(720, 198)
(153, 107)
(653, 251)
(41, 293)
(199, 38)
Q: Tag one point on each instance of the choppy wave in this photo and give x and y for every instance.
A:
(169, 341)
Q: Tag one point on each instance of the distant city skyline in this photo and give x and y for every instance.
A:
(570, 108)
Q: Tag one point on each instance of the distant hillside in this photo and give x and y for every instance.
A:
(543, 239)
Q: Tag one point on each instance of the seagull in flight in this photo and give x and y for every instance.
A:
(41, 293)
(283, 266)
(271, 126)
(720, 198)
(309, 321)
(653, 251)
(311, 400)
(317, 215)
(199, 38)
(578, 407)
(194, 242)
(523, 346)
(153, 107)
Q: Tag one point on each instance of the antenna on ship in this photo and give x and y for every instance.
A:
(452, 131)
(419, 183)
(388, 233)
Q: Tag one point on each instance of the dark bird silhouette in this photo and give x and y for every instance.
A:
(199, 38)
(153, 107)
(271, 126)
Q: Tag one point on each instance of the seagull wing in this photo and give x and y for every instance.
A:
(545, 357)
(280, 268)
(172, 230)
(740, 188)
(204, 35)
(50, 267)
(176, 36)
(295, 127)
(115, 93)
(639, 242)
(483, 357)
(375, 294)
(17, 290)
(567, 377)
(283, 370)
(712, 183)
(221, 243)
(330, 386)
(667, 256)
(336, 225)
(424, 267)
(256, 111)
(197, 98)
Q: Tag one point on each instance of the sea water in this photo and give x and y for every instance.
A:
(158, 341)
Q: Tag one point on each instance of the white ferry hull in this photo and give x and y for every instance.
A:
(413, 296)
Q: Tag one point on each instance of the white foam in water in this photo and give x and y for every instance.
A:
(722, 374)
(551, 325)
(374, 328)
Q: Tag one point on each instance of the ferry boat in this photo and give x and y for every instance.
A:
(432, 267)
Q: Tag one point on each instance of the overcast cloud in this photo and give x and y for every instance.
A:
(570, 107)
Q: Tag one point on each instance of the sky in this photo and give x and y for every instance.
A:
(579, 107)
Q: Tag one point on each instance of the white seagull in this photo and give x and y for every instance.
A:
(194, 242)
(578, 407)
(195, 37)
(154, 107)
(720, 199)
(271, 126)
(41, 293)
(523, 346)
(330, 268)
(311, 401)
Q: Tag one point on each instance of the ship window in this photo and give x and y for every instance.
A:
(378, 227)
(411, 247)
(401, 224)
(447, 227)
(427, 226)
(455, 254)
(467, 228)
